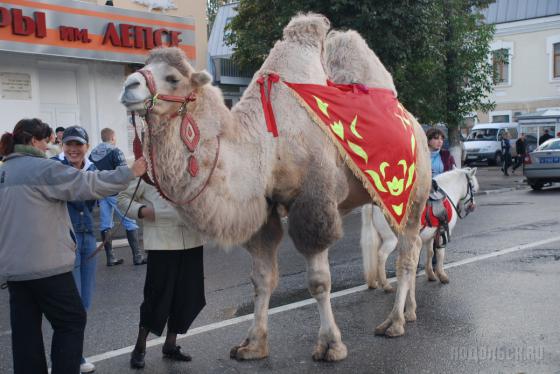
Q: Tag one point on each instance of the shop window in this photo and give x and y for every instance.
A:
(501, 66)
(500, 118)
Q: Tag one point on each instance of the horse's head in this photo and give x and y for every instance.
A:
(467, 204)
(164, 85)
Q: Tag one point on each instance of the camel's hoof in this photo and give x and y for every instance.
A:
(246, 352)
(443, 278)
(431, 277)
(330, 352)
(388, 288)
(372, 285)
(390, 329)
(410, 316)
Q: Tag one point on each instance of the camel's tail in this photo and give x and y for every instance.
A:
(370, 242)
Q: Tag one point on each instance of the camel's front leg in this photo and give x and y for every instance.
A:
(263, 248)
(329, 345)
(407, 262)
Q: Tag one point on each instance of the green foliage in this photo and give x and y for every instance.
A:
(436, 50)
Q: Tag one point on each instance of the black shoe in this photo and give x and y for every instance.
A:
(176, 354)
(137, 359)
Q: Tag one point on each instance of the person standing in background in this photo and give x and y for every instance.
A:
(106, 156)
(506, 153)
(521, 150)
(58, 133)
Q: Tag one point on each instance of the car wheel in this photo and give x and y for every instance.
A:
(536, 186)
(497, 159)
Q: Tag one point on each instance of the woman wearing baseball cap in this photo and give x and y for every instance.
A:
(38, 245)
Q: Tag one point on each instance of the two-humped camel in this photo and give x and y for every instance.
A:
(245, 174)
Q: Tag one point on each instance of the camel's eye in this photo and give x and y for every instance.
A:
(172, 79)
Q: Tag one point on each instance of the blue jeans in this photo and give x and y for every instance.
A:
(84, 267)
(106, 208)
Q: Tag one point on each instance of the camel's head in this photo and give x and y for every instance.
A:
(171, 75)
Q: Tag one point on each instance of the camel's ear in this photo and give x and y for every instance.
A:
(200, 79)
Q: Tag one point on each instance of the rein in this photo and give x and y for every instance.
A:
(189, 132)
(469, 197)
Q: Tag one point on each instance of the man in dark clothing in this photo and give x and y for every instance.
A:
(521, 150)
(544, 137)
(106, 156)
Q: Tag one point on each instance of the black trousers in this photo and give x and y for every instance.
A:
(173, 291)
(58, 299)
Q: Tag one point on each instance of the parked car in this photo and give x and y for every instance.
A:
(542, 166)
(484, 142)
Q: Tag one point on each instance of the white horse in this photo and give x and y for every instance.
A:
(378, 240)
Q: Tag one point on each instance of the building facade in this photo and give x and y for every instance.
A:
(64, 61)
(526, 60)
(225, 74)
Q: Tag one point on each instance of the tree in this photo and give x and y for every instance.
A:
(436, 50)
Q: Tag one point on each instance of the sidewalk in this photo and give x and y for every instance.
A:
(491, 178)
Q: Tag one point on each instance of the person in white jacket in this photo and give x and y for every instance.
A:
(174, 286)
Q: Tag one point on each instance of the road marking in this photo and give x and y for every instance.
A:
(302, 303)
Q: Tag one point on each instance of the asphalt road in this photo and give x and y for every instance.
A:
(505, 302)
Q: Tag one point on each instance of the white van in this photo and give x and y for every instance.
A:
(484, 142)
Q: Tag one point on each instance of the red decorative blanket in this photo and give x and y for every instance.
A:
(434, 221)
(374, 134)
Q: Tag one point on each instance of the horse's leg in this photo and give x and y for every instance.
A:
(369, 242)
(429, 245)
(441, 274)
(389, 242)
(388, 246)
(408, 247)
(263, 247)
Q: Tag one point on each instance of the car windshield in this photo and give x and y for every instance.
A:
(551, 145)
(482, 134)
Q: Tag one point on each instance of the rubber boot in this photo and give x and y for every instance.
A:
(132, 236)
(107, 237)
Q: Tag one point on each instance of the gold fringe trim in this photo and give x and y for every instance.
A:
(358, 173)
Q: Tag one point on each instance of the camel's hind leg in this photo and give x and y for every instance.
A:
(263, 247)
(407, 262)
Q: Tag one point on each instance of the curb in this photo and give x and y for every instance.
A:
(500, 190)
(117, 243)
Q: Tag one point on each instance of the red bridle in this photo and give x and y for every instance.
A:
(189, 132)
(151, 83)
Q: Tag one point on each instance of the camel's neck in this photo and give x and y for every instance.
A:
(232, 205)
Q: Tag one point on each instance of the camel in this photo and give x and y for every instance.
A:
(378, 240)
(242, 175)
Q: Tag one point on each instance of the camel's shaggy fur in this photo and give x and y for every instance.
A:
(300, 171)
(349, 49)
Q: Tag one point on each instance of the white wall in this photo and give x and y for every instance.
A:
(98, 88)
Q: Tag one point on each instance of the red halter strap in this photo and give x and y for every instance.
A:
(151, 83)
